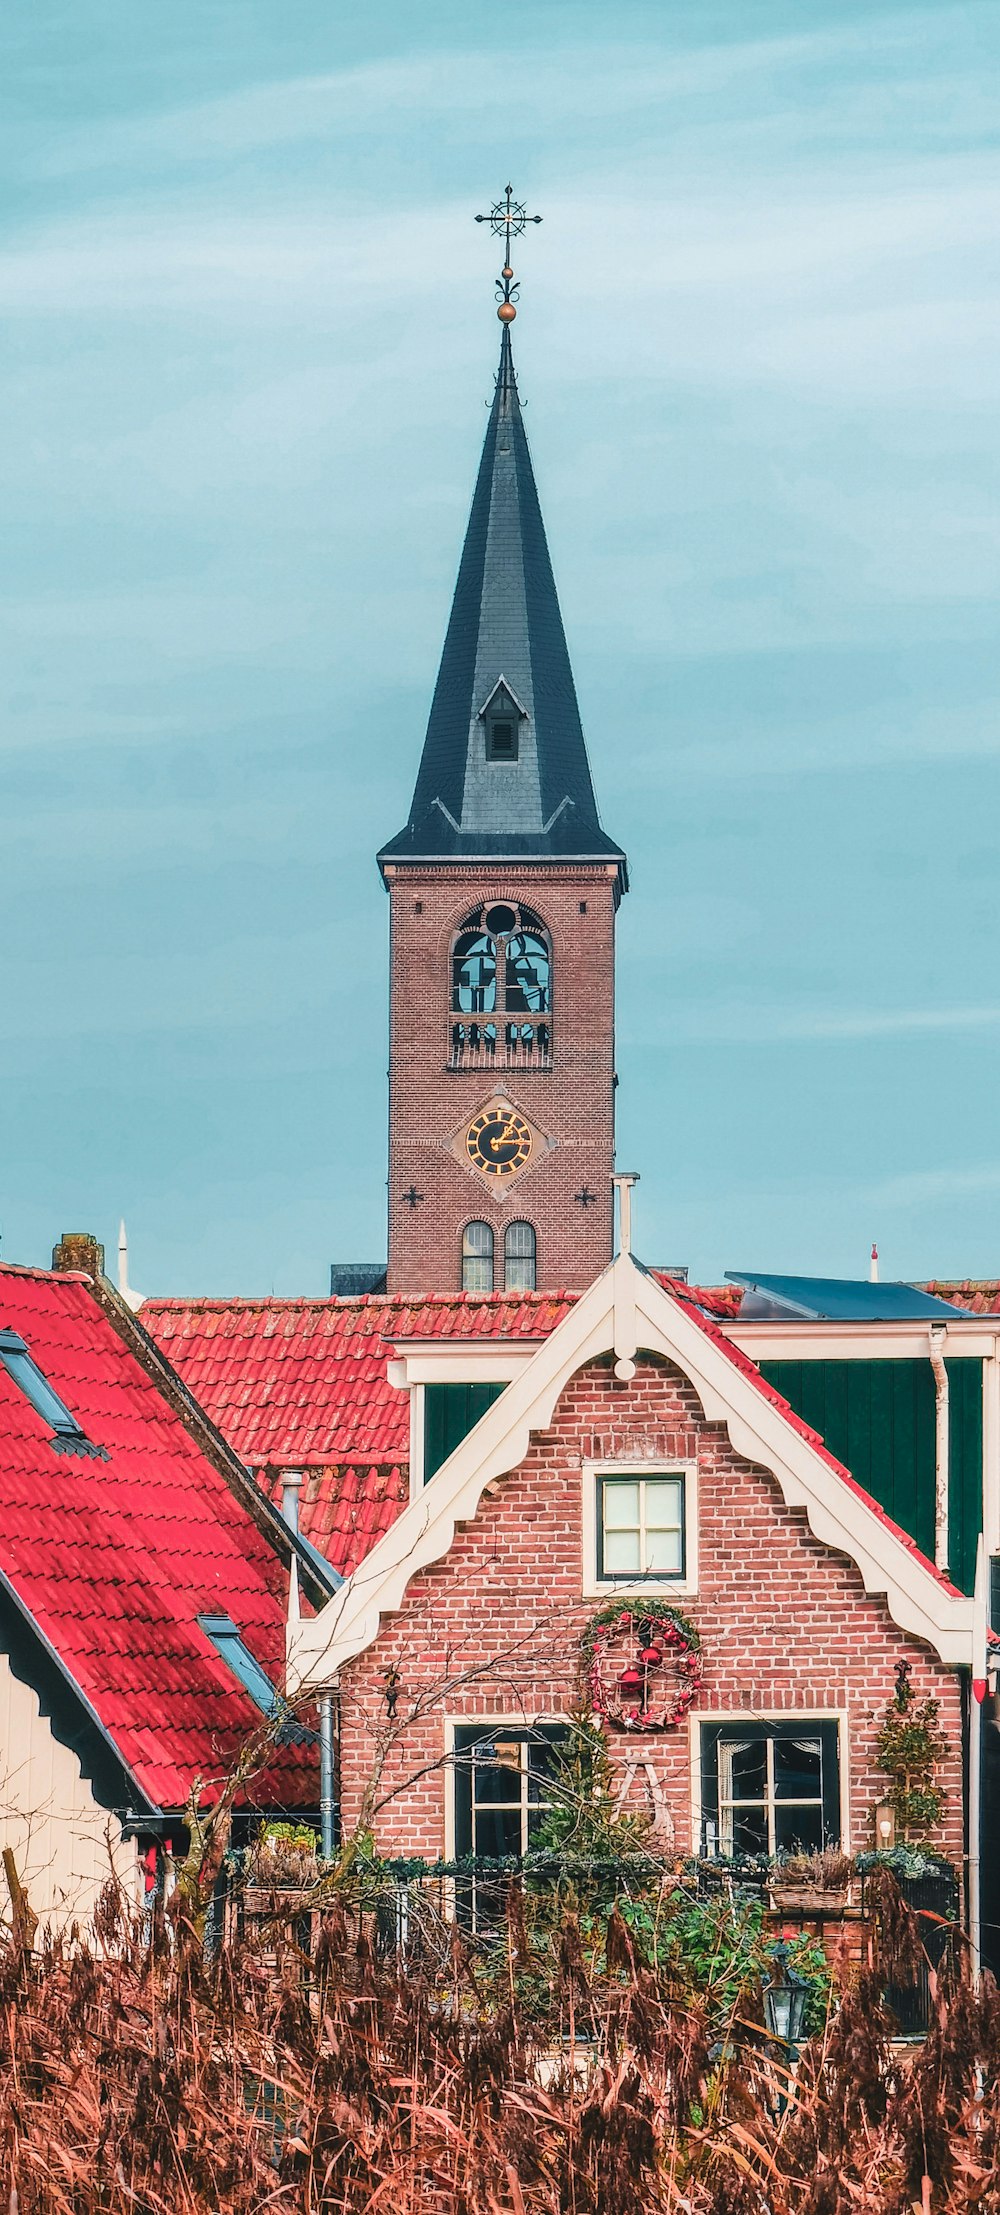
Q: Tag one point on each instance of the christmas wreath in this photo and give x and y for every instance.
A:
(643, 1664)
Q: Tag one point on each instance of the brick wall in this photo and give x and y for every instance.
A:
(571, 1103)
(489, 1631)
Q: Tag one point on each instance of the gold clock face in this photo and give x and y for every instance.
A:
(498, 1142)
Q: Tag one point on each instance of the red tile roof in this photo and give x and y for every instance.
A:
(981, 1295)
(302, 1383)
(114, 1559)
(344, 1510)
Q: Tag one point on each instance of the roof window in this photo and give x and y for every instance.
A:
(29, 1379)
(231, 1649)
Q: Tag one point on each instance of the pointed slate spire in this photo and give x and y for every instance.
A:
(504, 770)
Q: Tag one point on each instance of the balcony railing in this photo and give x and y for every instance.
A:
(491, 1043)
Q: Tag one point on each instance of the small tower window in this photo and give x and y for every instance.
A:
(501, 739)
(477, 1258)
(519, 1258)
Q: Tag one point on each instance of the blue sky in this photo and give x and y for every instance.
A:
(248, 342)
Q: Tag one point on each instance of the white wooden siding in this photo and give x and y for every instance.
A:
(65, 1844)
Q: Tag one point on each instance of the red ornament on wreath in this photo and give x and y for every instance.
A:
(644, 1664)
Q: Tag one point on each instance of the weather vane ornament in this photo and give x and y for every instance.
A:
(507, 219)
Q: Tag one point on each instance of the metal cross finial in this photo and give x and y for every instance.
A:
(507, 219)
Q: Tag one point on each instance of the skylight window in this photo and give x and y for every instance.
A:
(28, 1378)
(237, 1656)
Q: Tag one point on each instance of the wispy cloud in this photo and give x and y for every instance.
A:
(780, 1025)
(924, 1187)
(580, 79)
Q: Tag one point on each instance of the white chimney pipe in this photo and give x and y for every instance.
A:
(624, 1180)
(131, 1299)
(291, 1486)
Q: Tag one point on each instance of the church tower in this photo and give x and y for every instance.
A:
(503, 893)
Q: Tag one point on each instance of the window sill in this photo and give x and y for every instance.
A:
(651, 1588)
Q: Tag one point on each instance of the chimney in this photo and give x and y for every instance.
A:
(79, 1250)
(291, 1486)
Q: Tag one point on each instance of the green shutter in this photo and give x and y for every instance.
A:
(877, 1417)
(450, 1412)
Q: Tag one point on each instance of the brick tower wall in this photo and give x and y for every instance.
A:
(572, 1102)
(491, 1631)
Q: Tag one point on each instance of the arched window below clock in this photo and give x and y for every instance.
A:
(519, 1258)
(477, 1258)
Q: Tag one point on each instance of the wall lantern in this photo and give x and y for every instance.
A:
(885, 1826)
(785, 1999)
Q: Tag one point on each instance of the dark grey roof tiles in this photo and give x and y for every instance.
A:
(505, 628)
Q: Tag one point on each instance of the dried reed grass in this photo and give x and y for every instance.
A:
(137, 2077)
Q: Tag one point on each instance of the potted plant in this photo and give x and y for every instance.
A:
(283, 1859)
(812, 1884)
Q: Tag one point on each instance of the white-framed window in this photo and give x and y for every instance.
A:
(770, 1785)
(500, 1771)
(640, 1526)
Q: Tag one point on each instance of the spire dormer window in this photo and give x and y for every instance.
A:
(501, 967)
(502, 717)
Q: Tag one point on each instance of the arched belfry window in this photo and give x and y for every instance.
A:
(520, 1262)
(477, 1258)
(501, 968)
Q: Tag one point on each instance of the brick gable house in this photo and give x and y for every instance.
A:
(804, 1594)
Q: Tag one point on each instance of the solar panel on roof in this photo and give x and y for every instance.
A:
(836, 1299)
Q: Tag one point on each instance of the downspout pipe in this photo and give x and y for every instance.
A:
(291, 1486)
(980, 1688)
(326, 1794)
(938, 1334)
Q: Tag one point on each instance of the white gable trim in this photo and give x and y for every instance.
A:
(625, 1309)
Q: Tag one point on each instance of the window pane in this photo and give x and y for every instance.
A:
(744, 1830)
(798, 1769)
(664, 1553)
(664, 1503)
(798, 1830)
(519, 1258)
(621, 1506)
(621, 1554)
(477, 1258)
(494, 1786)
(528, 974)
(743, 1769)
(474, 972)
(497, 1832)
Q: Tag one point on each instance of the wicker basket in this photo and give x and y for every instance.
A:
(809, 1899)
